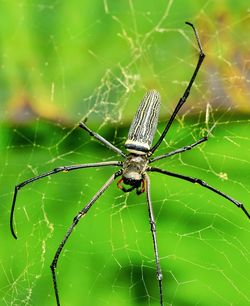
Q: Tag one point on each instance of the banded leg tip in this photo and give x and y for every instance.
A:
(242, 207)
(13, 234)
(189, 23)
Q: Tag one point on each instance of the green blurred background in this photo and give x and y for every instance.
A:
(64, 61)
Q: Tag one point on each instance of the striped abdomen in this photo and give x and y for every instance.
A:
(144, 124)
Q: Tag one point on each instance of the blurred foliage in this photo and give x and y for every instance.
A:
(56, 54)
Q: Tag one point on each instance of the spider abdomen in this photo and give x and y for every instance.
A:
(144, 124)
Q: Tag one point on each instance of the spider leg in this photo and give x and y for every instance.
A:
(54, 171)
(203, 184)
(76, 219)
(153, 231)
(183, 149)
(186, 92)
(101, 139)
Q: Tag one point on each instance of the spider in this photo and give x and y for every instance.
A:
(133, 170)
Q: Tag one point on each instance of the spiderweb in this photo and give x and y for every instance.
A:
(203, 240)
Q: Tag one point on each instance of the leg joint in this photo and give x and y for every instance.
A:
(159, 276)
(153, 227)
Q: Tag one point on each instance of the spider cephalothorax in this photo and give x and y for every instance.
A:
(133, 171)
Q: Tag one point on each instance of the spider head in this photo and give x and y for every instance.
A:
(133, 168)
(134, 180)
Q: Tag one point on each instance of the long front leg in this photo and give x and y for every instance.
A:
(76, 219)
(186, 92)
(54, 171)
(153, 231)
(203, 184)
(101, 139)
